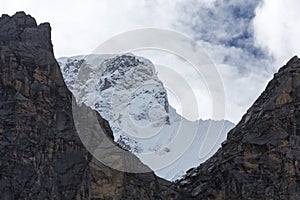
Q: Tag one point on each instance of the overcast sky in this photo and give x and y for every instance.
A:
(248, 40)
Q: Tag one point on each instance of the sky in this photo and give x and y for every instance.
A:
(248, 41)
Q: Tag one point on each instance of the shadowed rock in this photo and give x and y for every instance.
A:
(261, 157)
(41, 154)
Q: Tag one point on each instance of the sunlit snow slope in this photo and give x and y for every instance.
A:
(126, 91)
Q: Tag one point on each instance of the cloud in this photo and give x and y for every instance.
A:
(276, 28)
(80, 26)
(225, 30)
(244, 77)
(226, 23)
(247, 40)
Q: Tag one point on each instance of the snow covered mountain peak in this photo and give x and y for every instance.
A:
(132, 92)
(126, 91)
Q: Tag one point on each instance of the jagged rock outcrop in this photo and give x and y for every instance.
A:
(22, 29)
(41, 154)
(261, 157)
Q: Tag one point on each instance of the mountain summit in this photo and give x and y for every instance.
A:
(23, 29)
(126, 91)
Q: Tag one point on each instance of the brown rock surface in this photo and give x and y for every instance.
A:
(41, 154)
(261, 157)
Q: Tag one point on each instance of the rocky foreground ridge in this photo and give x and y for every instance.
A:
(42, 157)
(261, 157)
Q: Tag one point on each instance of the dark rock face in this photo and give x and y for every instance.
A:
(22, 29)
(41, 154)
(261, 157)
(108, 183)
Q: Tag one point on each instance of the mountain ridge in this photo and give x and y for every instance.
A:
(41, 154)
(125, 90)
(260, 158)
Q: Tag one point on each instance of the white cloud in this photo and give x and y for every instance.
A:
(233, 37)
(244, 78)
(277, 28)
(80, 26)
(225, 31)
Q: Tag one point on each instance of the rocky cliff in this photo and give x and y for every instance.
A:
(261, 157)
(42, 157)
